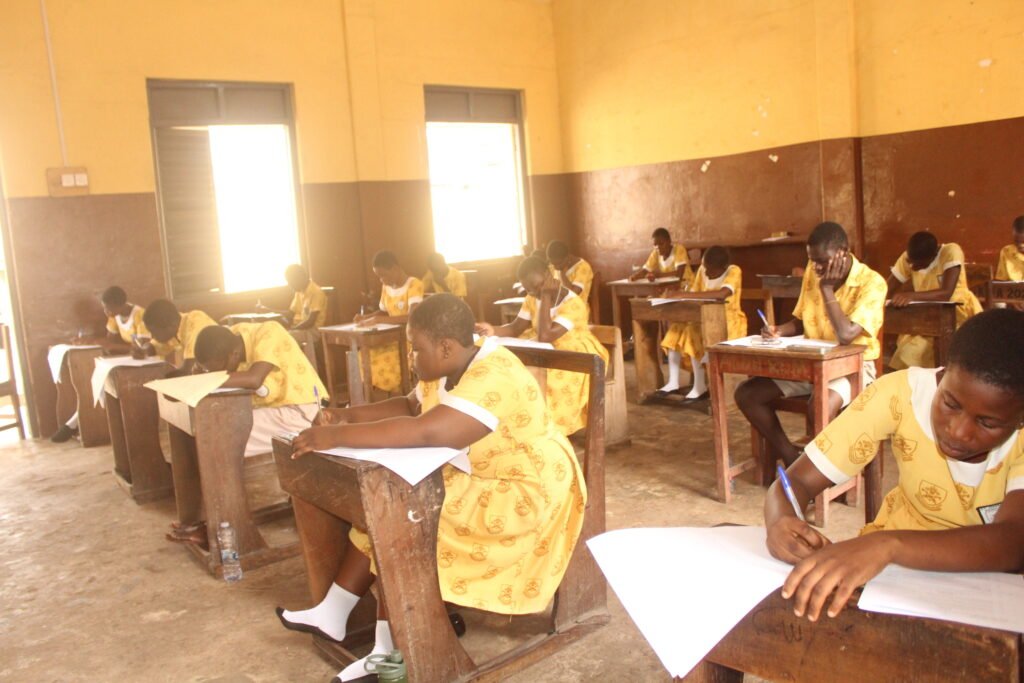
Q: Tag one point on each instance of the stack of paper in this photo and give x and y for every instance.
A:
(516, 300)
(55, 357)
(190, 389)
(756, 341)
(361, 326)
(659, 301)
(411, 464)
(103, 368)
(644, 281)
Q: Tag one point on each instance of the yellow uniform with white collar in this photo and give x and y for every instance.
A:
(385, 365)
(934, 492)
(454, 280)
(1011, 264)
(686, 337)
(676, 259)
(129, 326)
(914, 350)
(580, 274)
(312, 298)
(183, 345)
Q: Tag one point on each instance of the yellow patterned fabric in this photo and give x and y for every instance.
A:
(668, 266)
(934, 492)
(1011, 264)
(454, 280)
(686, 338)
(914, 350)
(312, 298)
(293, 378)
(580, 274)
(184, 342)
(567, 392)
(508, 530)
(385, 365)
(861, 298)
(129, 325)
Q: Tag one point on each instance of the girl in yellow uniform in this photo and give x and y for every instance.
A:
(665, 259)
(959, 502)
(1011, 258)
(399, 296)
(507, 530)
(554, 314)
(937, 274)
(717, 280)
(440, 277)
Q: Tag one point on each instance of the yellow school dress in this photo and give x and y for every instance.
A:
(454, 280)
(676, 259)
(184, 341)
(567, 391)
(508, 530)
(861, 298)
(1011, 264)
(293, 378)
(914, 350)
(312, 298)
(686, 337)
(580, 274)
(934, 492)
(128, 326)
(385, 365)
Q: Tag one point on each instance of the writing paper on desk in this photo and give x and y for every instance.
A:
(645, 281)
(686, 588)
(190, 389)
(511, 300)
(661, 301)
(103, 368)
(411, 464)
(360, 326)
(55, 357)
(981, 599)
(755, 341)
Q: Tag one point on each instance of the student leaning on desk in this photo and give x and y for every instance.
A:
(1011, 258)
(665, 259)
(954, 434)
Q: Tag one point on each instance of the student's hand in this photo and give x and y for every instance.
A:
(901, 299)
(484, 329)
(770, 332)
(636, 276)
(840, 567)
(651, 277)
(330, 416)
(550, 286)
(833, 275)
(792, 540)
(317, 438)
(262, 307)
(139, 352)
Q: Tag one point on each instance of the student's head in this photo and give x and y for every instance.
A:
(558, 254)
(715, 261)
(162, 319)
(826, 240)
(436, 264)
(218, 348)
(297, 277)
(531, 273)
(662, 240)
(439, 329)
(922, 248)
(114, 300)
(980, 400)
(1018, 233)
(385, 267)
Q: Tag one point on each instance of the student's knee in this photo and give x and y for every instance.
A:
(835, 404)
(755, 392)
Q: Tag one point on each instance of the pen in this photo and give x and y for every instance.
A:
(319, 408)
(788, 490)
(764, 319)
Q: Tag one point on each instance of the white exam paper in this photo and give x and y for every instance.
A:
(659, 301)
(644, 281)
(411, 464)
(103, 367)
(510, 300)
(784, 342)
(55, 357)
(361, 326)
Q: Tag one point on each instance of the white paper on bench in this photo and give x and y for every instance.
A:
(361, 326)
(645, 281)
(657, 301)
(411, 464)
(519, 300)
(103, 367)
(55, 357)
(785, 342)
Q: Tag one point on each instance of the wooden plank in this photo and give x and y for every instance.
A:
(133, 416)
(92, 419)
(935, 320)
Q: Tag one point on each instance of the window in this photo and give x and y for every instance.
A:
(475, 160)
(226, 185)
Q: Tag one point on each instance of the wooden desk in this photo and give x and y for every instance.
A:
(933, 319)
(639, 289)
(134, 419)
(842, 361)
(778, 287)
(74, 393)
(235, 318)
(646, 334)
(1004, 292)
(771, 643)
(510, 308)
(207, 463)
(358, 342)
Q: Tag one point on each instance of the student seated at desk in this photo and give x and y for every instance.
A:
(841, 300)
(1011, 258)
(441, 277)
(174, 333)
(508, 530)
(718, 280)
(553, 313)
(399, 296)
(571, 270)
(666, 259)
(307, 312)
(959, 503)
(936, 272)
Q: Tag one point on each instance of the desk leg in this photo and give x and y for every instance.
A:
(820, 406)
(403, 362)
(720, 422)
(616, 311)
(122, 465)
(140, 428)
(709, 672)
(941, 345)
(366, 372)
(356, 390)
(329, 370)
(92, 423)
(188, 495)
(645, 353)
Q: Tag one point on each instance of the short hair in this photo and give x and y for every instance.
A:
(436, 258)
(214, 343)
(444, 316)
(828, 235)
(385, 259)
(1018, 224)
(114, 296)
(557, 250)
(922, 246)
(160, 313)
(990, 346)
(662, 233)
(298, 270)
(717, 257)
(531, 265)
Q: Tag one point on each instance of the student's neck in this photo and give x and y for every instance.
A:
(468, 354)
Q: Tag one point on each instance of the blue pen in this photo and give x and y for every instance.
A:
(319, 408)
(788, 490)
(763, 319)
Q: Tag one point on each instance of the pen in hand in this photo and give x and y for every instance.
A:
(319, 408)
(788, 490)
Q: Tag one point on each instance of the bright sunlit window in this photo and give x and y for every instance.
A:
(256, 214)
(476, 190)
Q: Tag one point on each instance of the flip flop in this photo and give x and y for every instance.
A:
(303, 628)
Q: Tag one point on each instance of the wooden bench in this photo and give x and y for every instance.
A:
(616, 418)
(402, 521)
(74, 393)
(933, 319)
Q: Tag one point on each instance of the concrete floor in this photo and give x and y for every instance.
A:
(90, 590)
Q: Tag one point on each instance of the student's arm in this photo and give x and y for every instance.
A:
(892, 283)
(944, 293)
(787, 329)
(547, 329)
(252, 378)
(512, 329)
(308, 323)
(846, 330)
(187, 367)
(399, 406)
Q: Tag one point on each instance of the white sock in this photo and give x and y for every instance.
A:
(674, 360)
(700, 378)
(382, 645)
(330, 616)
(73, 422)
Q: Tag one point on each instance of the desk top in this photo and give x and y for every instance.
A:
(644, 282)
(353, 329)
(769, 352)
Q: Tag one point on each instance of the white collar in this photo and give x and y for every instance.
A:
(716, 284)
(398, 291)
(129, 318)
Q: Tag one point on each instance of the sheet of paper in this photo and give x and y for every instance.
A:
(103, 367)
(55, 357)
(256, 316)
(518, 300)
(190, 389)
(411, 464)
(360, 326)
(516, 341)
(685, 588)
(1008, 282)
(658, 301)
(753, 341)
(644, 281)
(888, 302)
(983, 599)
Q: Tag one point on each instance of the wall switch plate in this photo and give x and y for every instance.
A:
(81, 180)
(68, 181)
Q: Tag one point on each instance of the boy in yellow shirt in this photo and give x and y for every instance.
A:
(175, 333)
(1011, 258)
(571, 270)
(666, 259)
(440, 277)
(936, 272)
(841, 300)
(959, 502)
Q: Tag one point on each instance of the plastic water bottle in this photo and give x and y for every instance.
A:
(390, 668)
(229, 563)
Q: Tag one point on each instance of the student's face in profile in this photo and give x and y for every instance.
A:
(713, 272)
(163, 333)
(560, 263)
(820, 255)
(970, 417)
(229, 363)
(426, 356)
(532, 283)
(296, 281)
(389, 276)
(664, 245)
(1018, 240)
(922, 262)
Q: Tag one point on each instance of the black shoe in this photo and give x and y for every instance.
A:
(304, 628)
(63, 434)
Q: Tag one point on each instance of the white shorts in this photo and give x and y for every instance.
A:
(270, 422)
(841, 386)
